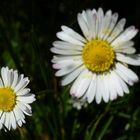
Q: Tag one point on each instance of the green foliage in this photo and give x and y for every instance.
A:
(27, 30)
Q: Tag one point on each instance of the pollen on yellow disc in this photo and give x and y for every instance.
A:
(7, 99)
(98, 55)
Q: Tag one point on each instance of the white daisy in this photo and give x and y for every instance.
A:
(78, 103)
(97, 62)
(14, 99)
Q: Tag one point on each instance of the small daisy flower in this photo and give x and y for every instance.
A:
(14, 99)
(96, 63)
(78, 103)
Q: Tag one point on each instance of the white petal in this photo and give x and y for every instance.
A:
(111, 87)
(23, 91)
(4, 75)
(125, 47)
(70, 77)
(72, 33)
(105, 24)
(117, 30)
(123, 84)
(127, 35)
(10, 77)
(7, 120)
(113, 21)
(106, 88)
(21, 84)
(67, 46)
(15, 79)
(3, 117)
(129, 59)
(126, 74)
(81, 84)
(20, 113)
(1, 125)
(124, 77)
(83, 25)
(62, 64)
(1, 83)
(67, 62)
(117, 83)
(68, 68)
(63, 59)
(13, 120)
(65, 52)
(1, 113)
(96, 19)
(65, 37)
(21, 116)
(24, 108)
(27, 106)
(92, 89)
(17, 116)
(29, 98)
(99, 89)
(99, 21)
(91, 21)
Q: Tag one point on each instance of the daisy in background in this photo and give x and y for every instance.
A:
(78, 103)
(14, 99)
(96, 63)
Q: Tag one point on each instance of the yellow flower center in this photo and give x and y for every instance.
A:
(7, 99)
(98, 55)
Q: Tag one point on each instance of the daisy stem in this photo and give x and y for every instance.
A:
(105, 127)
(121, 114)
(90, 134)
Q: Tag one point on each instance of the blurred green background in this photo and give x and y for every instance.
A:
(27, 30)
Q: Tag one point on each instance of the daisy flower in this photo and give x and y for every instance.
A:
(14, 99)
(97, 61)
(78, 103)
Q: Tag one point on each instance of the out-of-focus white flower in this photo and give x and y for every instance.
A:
(78, 103)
